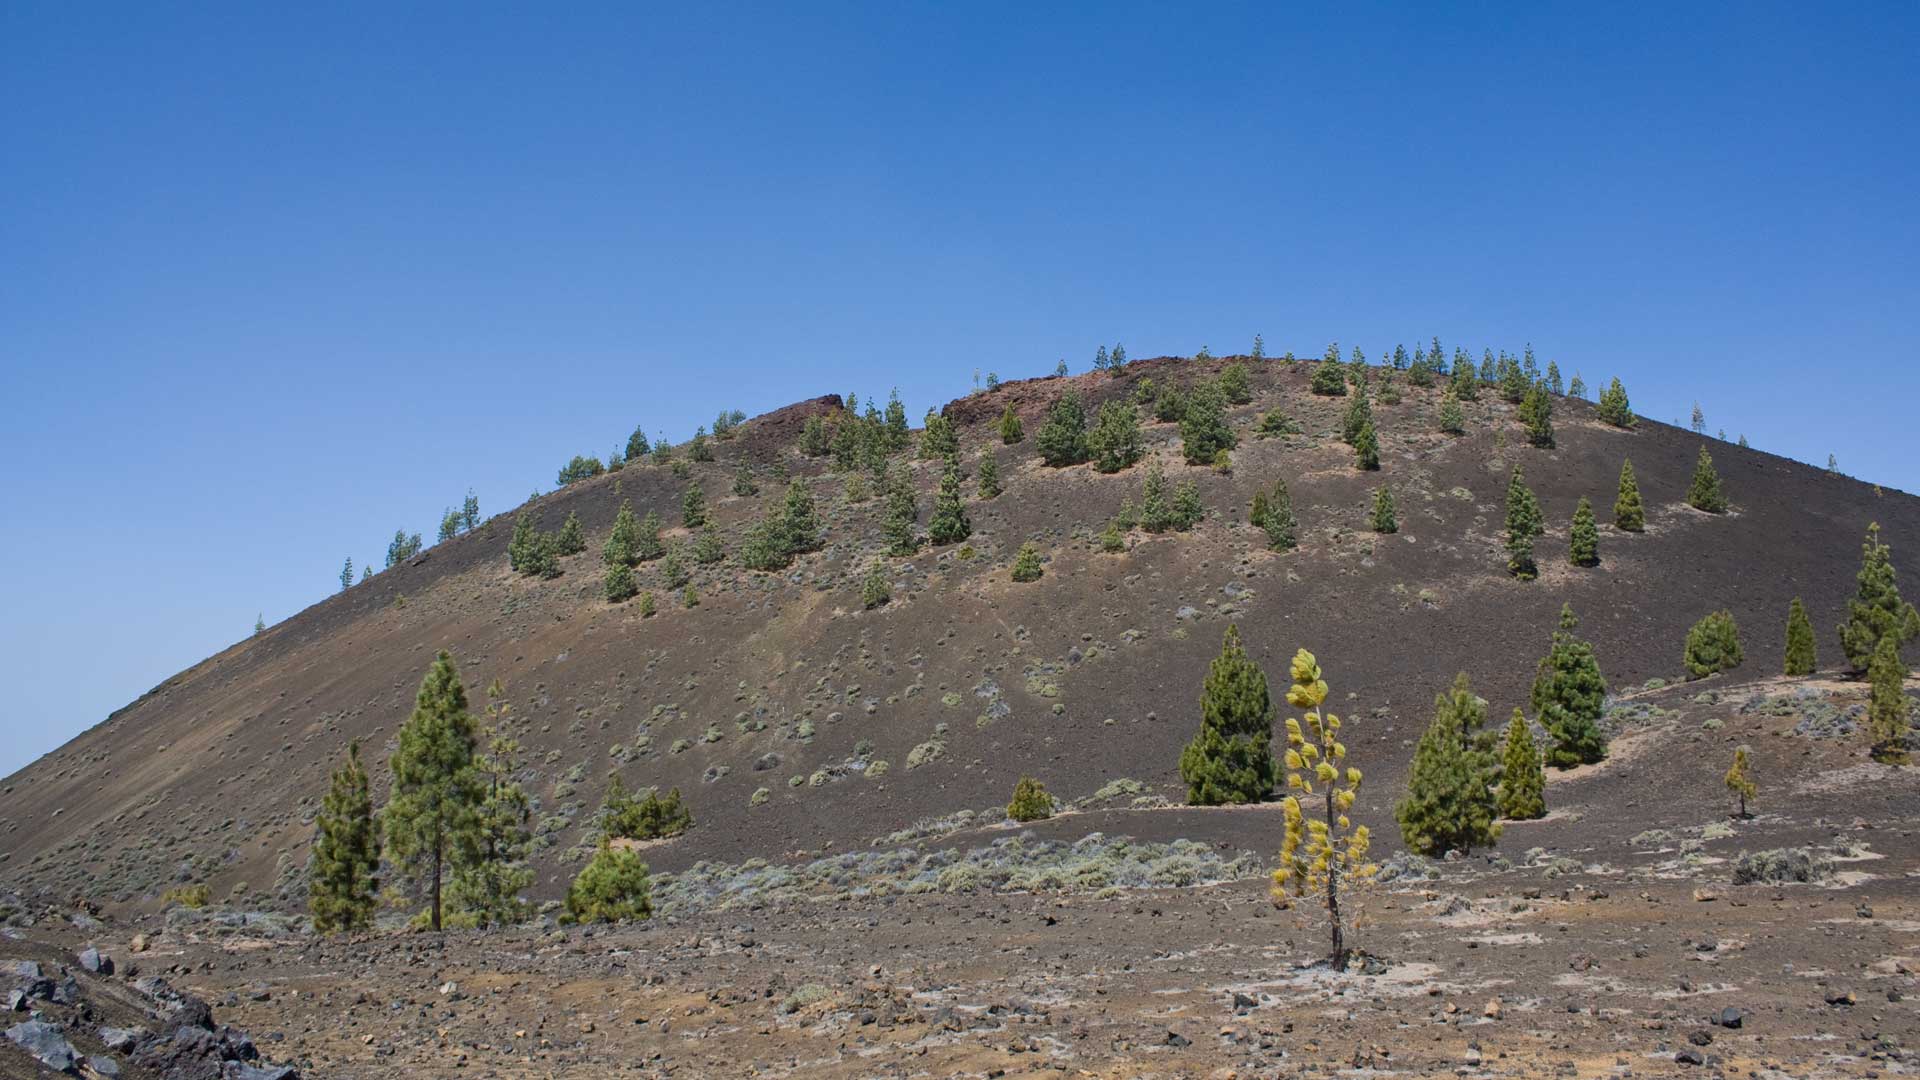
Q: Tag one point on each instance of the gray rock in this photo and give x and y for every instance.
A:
(105, 1066)
(237, 1070)
(96, 961)
(27, 969)
(1729, 1017)
(45, 1043)
(120, 1039)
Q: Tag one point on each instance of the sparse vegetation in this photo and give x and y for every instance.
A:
(614, 887)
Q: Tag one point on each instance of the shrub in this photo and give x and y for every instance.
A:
(613, 887)
(874, 590)
(646, 605)
(1010, 429)
(1713, 645)
(623, 816)
(1780, 866)
(1030, 801)
(1740, 781)
(1274, 422)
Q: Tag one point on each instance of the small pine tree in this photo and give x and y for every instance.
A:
(1553, 378)
(707, 548)
(988, 473)
(1583, 538)
(1569, 696)
(1320, 858)
(673, 568)
(1628, 513)
(1453, 418)
(1366, 449)
(1115, 441)
(620, 548)
(1230, 759)
(1523, 783)
(949, 524)
(449, 525)
(1887, 703)
(637, 447)
(1802, 657)
(693, 507)
(487, 885)
(799, 526)
(620, 583)
(1536, 412)
(1876, 610)
(896, 422)
(690, 597)
(1203, 429)
(1740, 781)
(1613, 407)
(744, 484)
(1156, 502)
(1577, 388)
(1383, 518)
(1699, 419)
(1450, 802)
(1704, 493)
(572, 539)
(902, 516)
(815, 438)
(1713, 646)
(1273, 513)
(1188, 510)
(1235, 385)
(1524, 525)
(342, 881)
(1358, 415)
(1026, 565)
(1112, 541)
(1063, 438)
(1010, 429)
(937, 437)
(647, 545)
(1330, 378)
(346, 569)
(613, 887)
(874, 590)
(1030, 801)
(431, 816)
(646, 605)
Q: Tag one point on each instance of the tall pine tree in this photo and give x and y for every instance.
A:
(1583, 539)
(1524, 525)
(1230, 760)
(1887, 703)
(949, 524)
(346, 852)
(431, 819)
(1569, 696)
(1876, 610)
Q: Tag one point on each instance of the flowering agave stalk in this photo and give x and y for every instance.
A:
(1319, 853)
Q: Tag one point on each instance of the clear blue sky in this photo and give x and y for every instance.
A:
(276, 279)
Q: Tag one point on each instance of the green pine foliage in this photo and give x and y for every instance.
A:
(1273, 422)
(744, 484)
(1887, 703)
(342, 881)
(613, 887)
(1188, 510)
(1358, 415)
(1330, 378)
(1802, 654)
(673, 567)
(1030, 801)
(1453, 418)
(1272, 513)
(1383, 516)
(1156, 501)
(1450, 804)
(1011, 432)
(1583, 538)
(623, 816)
(1063, 438)
(346, 570)
(1112, 540)
(572, 539)
(693, 507)
(937, 438)
(1366, 449)
(432, 812)
(1513, 382)
(488, 883)
(449, 525)
(1629, 515)
(1524, 525)
(619, 550)
(1026, 564)
(1704, 493)
(1569, 696)
(816, 439)
(1713, 646)
(1170, 406)
(647, 545)
(1235, 386)
(902, 516)
(580, 468)
(1230, 760)
(646, 605)
(896, 432)
(799, 525)
(1536, 412)
(404, 546)
(874, 588)
(1463, 386)
(700, 448)
(988, 474)
(1115, 441)
(1739, 781)
(1876, 611)
(620, 583)
(1523, 783)
(1203, 429)
(637, 447)
(707, 547)
(525, 536)
(949, 524)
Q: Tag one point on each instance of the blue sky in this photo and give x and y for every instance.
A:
(278, 280)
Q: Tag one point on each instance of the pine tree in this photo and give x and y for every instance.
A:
(744, 485)
(896, 422)
(487, 884)
(799, 526)
(903, 515)
(1366, 449)
(1026, 564)
(1524, 525)
(1450, 802)
(1383, 518)
(1319, 858)
(1569, 696)
(707, 548)
(1577, 388)
(1259, 348)
(1156, 502)
(673, 568)
(646, 605)
(1273, 513)
(431, 817)
(1330, 378)
(1583, 543)
(449, 525)
(1704, 493)
(1628, 514)
(988, 473)
(619, 582)
(346, 852)
(1802, 658)
(815, 438)
(937, 437)
(693, 507)
(573, 536)
(1010, 430)
(1203, 429)
(949, 524)
(1699, 419)
(1536, 411)
(1112, 541)
(647, 545)
(346, 570)
(1188, 511)
(619, 549)
(1523, 784)
(1713, 645)
(637, 447)
(1358, 415)
(1030, 801)
(1887, 703)
(1553, 377)
(1115, 442)
(1234, 384)
(1463, 386)
(1876, 610)
(1230, 760)
(1453, 418)
(1514, 383)
(1170, 405)
(874, 589)
(613, 887)
(1614, 408)
(1063, 438)
(260, 623)
(1740, 781)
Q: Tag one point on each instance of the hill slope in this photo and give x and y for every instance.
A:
(966, 680)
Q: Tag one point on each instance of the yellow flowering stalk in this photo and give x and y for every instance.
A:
(1323, 850)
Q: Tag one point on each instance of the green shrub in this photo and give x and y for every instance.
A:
(1713, 645)
(613, 887)
(1030, 801)
(1026, 565)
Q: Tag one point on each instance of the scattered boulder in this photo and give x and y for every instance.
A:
(96, 961)
(46, 1043)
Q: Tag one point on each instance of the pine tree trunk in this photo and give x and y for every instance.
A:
(1333, 895)
(436, 877)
